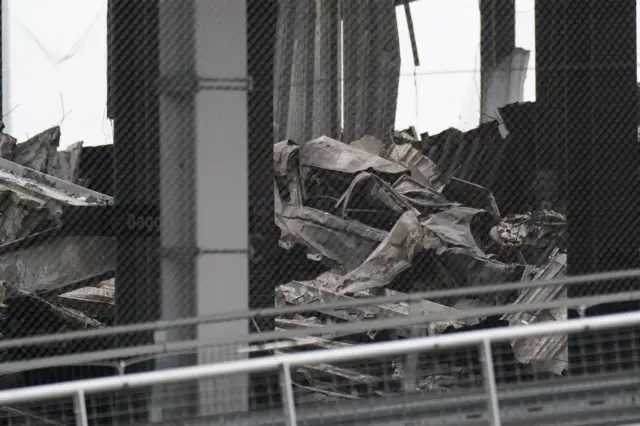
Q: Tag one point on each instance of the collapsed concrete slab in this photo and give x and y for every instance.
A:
(51, 262)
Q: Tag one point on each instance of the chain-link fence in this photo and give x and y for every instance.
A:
(352, 171)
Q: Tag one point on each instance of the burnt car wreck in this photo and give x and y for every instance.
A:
(412, 214)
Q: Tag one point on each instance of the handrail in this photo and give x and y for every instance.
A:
(270, 363)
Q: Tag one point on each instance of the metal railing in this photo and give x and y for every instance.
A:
(284, 363)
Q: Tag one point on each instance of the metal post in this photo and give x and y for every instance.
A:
(80, 408)
(489, 376)
(411, 360)
(287, 394)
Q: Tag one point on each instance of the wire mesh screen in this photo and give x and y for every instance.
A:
(314, 161)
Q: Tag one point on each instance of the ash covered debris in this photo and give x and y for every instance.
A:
(415, 213)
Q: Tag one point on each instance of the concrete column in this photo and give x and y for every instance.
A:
(133, 106)
(587, 130)
(177, 199)
(265, 257)
(221, 187)
(587, 94)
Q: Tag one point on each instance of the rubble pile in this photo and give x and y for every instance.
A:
(38, 183)
(411, 214)
(382, 218)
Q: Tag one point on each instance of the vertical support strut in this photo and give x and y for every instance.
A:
(287, 395)
(80, 408)
(489, 377)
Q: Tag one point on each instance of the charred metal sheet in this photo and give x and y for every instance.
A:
(424, 199)
(348, 243)
(322, 290)
(370, 144)
(330, 154)
(394, 254)
(471, 195)
(461, 227)
(422, 168)
(548, 353)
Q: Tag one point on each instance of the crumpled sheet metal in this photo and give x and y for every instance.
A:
(330, 154)
(346, 242)
(283, 153)
(322, 290)
(548, 353)
(536, 230)
(286, 166)
(471, 270)
(454, 227)
(390, 258)
(454, 235)
(423, 198)
(380, 190)
(471, 195)
(422, 168)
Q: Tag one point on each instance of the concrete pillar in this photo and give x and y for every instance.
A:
(221, 187)
(134, 68)
(133, 106)
(587, 94)
(177, 198)
(262, 19)
(587, 130)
